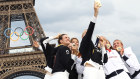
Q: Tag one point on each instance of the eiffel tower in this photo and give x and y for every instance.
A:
(17, 64)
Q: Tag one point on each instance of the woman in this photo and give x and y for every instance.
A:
(92, 56)
(78, 68)
(129, 58)
(64, 60)
(114, 68)
(49, 52)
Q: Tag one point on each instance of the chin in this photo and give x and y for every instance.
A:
(67, 43)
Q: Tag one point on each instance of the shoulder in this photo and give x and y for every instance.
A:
(63, 47)
(114, 51)
(128, 50)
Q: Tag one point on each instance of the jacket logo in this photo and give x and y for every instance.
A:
(113, 57)
(67, 52)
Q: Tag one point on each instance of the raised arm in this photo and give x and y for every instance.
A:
(45, 41)
(130, 58)
(102, 43)
(87, 34)
(97, 5)
(86, 43)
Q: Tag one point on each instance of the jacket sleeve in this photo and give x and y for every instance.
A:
(87, 38)
(86, 42)
(88, 35)
(41, 42)
(47, 48)
(104, 55)
(105, 58)
(66, 59)
(79, 67)
(130, 58)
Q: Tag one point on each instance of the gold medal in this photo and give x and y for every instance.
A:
(119, 49)
(93, 51)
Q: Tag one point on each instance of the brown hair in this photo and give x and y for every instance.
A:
(119, 41)
(79, 54)
(60, 38)
(110, 44)
(73, 39)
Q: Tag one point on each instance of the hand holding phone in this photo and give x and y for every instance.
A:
(99, 2)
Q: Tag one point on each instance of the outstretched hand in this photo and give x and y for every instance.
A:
(97, 5)
(102, 41)
(35, 44)
(56, 37)
(120, 50)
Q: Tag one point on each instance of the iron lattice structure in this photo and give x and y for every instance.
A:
(19, 64)
(12, 65)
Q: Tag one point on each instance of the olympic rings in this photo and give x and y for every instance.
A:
(6, 31)
(19, 28)
(31, 28)
(18, 34)
(15, 33)
(22, 38)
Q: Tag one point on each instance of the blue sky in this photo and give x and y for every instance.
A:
(118, 19)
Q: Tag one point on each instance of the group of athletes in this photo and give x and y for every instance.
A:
(88, 60)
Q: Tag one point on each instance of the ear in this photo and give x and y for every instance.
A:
(61, 41)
